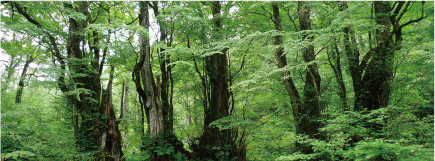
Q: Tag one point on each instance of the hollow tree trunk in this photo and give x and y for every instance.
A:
(97, 130)
(111, 137)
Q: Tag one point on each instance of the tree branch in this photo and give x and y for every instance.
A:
(270, 14)
(133, 21)
(417, 20)
(403, 12)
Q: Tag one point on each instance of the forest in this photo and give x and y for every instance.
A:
(217, 80)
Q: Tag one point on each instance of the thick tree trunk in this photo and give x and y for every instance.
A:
(150, 93)
(379, 71)
(152, 102)
(22, 78)
(95, 133)
(307, 112)
(164, 60)
(372, 89)
(91, 129)
(216, 69)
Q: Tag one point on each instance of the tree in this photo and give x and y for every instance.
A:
(22, 79)
(85, 72)
(373, 74)
(306, 112)
(226, 80)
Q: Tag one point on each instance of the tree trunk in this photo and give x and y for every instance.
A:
(216, 69)
(10, 70)
(127, 115)
(98, 130)
(188, 118)
(22, 78)
(288, 81)
(307, 112)
(312, 85)
(372, 89)
(379, 71)
(111, 138)
(122, 100)
(150, 92)
(336, 57)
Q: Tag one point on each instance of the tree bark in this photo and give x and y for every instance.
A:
(111, 137)
(29, 59)
(150, 93)
(336, 56)
(312, 78)
(372, 75)
(216, 69)
(306, 112)
(288, 81)
(379, 71)
(91, 132)
(127, 115)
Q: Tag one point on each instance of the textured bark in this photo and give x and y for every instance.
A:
(84, 105)
(111, 137)
(150, 93)
(22, 78)
(312, 85)
(152, 101)
(306, 112)
(216, 69)
(91, 130)
(164, 60)
(372, 75)
(379, 71)
(288, 81)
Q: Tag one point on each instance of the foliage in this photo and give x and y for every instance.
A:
(45, 126)
(344, 129)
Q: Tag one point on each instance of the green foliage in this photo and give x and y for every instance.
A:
(35, 129)
(18, 154)
(354, 136)
(42, 127)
